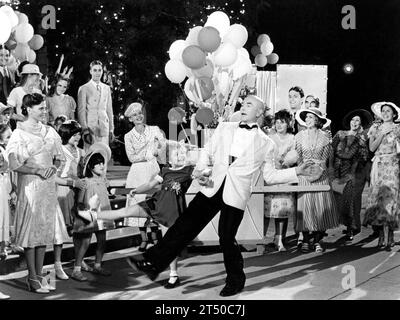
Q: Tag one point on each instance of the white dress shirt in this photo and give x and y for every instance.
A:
(241, 139)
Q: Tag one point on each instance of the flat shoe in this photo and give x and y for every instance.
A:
(101, 271)
(170, 285)
(78, 276)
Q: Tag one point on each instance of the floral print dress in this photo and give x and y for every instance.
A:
(384, 180)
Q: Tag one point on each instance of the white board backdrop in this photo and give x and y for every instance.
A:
(313, 79)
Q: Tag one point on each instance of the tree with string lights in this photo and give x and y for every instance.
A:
(131, 37)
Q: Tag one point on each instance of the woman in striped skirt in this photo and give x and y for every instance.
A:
(316, 211)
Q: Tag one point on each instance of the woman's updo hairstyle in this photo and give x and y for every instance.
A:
(30, 100)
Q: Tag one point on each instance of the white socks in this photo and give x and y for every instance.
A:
(77, 269)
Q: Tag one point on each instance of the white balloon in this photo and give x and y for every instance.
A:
(267, 48)
(10, 14)
(175, 71)
(243, 52)
(22, 18)
(31, 56)
(261, 60)
(21, 51)
(220, 21)
(237, 34)
(191, 39)
(241, 67)
(225, 55)
(23, 33)
(262, 38)
(5, 27)
(190, 90)
(176, 49)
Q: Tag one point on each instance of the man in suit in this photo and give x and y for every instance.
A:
(6, 77)
(239, 150)
(95, 106)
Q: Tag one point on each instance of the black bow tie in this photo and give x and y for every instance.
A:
(246, 126)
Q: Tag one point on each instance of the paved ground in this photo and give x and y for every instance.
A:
(344, 271)
(281, 276)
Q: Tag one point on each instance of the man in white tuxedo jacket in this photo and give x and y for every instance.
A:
(238, 150)
(95, 106)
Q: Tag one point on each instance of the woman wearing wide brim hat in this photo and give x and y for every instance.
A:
(351, 168)
(385, 143)
(301, 116)
(316, 211)
(365, 116)
(378, 106)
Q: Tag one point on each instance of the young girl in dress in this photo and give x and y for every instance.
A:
(94, 171)
(67, 181)
(164, 206)
(5, 191)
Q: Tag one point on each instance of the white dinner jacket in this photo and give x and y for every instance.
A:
(259, 154)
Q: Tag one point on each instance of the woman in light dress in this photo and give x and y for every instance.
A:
(32, 152)
(283, 205)
(59, 103)
(385, 143)
(142, 145)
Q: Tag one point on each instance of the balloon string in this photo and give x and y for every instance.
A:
(184, 132)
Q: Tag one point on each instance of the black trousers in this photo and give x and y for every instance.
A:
(199, 213)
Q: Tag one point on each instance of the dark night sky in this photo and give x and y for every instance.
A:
(310, 32)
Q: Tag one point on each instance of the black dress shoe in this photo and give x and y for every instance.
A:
(139, 263)
(170, 285)
(230, 290)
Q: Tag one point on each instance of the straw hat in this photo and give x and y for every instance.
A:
(98, 147)
(377, 109)
(301, 116)
(31, 69)
(365, 116)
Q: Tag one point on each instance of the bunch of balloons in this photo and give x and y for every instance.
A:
(18, 35)
(213, 59)
(263, 51)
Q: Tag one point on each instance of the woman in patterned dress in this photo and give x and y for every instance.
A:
(32, 151)
(316, 211)
(384, 139)
(142, 144)
(281, 206)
